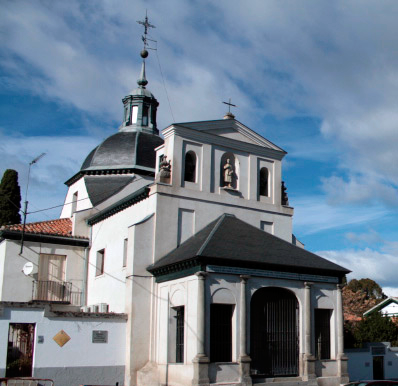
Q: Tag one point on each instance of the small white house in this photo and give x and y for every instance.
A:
(388, 307)
(190, 236)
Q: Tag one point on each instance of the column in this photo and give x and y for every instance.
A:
(244, 359)
(342, 360)
(309, 359)
(201, 361)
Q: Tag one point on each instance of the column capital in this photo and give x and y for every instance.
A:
(244, 278)
(308, 284)
(201, 275)
(339, 286)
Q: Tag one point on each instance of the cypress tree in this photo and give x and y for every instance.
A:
(10, 198)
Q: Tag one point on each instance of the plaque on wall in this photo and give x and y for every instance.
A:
(100, 336)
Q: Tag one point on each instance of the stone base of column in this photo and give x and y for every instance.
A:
(244, 369)
(342, 368)
(201, 371)
(309, 369)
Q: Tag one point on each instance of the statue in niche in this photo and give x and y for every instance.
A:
(228, 174)
(165, 169)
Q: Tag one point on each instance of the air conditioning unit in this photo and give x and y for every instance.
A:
(103, 307)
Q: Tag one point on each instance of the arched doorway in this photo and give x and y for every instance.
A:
(274, 333)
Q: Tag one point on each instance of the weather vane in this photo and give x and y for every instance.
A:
(229, 105)
(145, 38)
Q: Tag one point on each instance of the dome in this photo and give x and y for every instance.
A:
(124, 150)
(142, 92)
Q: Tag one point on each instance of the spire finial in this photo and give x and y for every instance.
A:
(142, 81)
(147, 25)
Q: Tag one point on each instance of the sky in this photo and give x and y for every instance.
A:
(317, 78)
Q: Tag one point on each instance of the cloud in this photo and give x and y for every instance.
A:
(313, 215)
(359, 189)
(335, 61)
(367, 263)
(64, 156)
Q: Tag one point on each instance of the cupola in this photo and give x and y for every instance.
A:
(140, 106)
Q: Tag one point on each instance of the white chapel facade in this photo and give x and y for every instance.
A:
(189, 235)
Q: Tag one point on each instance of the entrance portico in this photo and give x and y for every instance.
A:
(268, 315)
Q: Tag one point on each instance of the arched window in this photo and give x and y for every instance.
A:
(190, 167)
(263, 182)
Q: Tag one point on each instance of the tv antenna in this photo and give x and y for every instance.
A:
(25, 212)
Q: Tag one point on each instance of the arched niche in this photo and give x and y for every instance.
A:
(229, 171)
(177, 298)
(223, 296)
(190, 166)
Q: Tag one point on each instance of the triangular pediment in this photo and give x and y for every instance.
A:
(231, 129)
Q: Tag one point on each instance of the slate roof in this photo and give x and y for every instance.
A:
(124, 150)
(233, 242)
(100, 188)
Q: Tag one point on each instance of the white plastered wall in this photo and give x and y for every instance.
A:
(109, 235)
(83, 202)
(18, 287)
(49, 355)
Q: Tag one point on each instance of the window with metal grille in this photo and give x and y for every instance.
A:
(221, 332)
(322, 333)
(179, 334)
(99, 267)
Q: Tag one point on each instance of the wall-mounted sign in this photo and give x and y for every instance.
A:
(61, 338)
(40, 339)
(100, 336)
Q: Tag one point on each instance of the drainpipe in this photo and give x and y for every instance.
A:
(85, 273)
(167, 337)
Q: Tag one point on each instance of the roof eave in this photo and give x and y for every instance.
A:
(44, 238)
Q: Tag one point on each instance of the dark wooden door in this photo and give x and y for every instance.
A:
(378, 367)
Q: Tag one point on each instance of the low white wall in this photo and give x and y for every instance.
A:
(79, 361)
(360, 363)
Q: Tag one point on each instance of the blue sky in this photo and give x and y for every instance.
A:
(318, 78)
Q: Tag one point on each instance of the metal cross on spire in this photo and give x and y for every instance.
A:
(146, 25)
(229, 105)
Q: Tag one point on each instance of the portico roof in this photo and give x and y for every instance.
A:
(233, 242)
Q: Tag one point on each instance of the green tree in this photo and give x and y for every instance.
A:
(10, 198)
(367, 286)
(375, 328)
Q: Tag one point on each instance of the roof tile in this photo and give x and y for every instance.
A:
(58, 227)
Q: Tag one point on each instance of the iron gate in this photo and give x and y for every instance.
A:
(274, 333)
(20, 349)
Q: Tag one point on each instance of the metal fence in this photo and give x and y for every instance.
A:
(55, 291)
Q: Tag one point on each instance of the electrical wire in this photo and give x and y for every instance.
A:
(164, 85)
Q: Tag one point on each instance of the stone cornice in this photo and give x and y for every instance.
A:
(124, 203)
(218, 140)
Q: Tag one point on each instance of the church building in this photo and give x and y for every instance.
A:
(188, 234)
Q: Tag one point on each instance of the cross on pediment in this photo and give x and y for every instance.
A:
(229, 105)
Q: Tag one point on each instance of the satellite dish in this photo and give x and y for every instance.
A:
(28, 268)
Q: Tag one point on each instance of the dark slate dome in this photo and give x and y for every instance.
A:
(128, 150)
